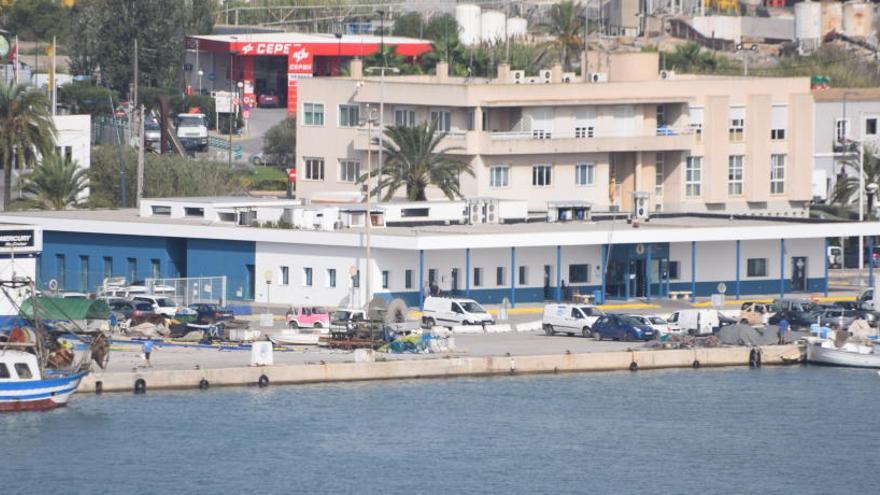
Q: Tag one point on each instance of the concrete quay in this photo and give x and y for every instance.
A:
(440, 367)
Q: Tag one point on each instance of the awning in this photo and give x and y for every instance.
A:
(57, 308)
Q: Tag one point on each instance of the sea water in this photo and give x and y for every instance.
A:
(772, 430)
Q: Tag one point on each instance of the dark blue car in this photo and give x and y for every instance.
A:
(621, 327)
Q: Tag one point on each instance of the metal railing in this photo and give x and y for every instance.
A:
(596, 134)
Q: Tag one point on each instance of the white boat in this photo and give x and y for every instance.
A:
(25, 387)
(291, 338)
(824, 351)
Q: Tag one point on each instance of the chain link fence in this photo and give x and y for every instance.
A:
(190, 290)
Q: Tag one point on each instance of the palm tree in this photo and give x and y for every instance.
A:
(26, 130)
(567, 25)
(412, 160)
(54, 184)
(846, 190)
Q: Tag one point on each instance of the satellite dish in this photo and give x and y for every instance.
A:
(397, 311)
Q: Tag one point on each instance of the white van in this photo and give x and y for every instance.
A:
(570, 319)
(161, 305)
(448, 311)
(696, 321)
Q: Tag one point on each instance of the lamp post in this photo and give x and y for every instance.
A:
(370, 117)
(200, 73)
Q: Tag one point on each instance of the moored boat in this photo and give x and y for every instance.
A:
(824, 351)
(24, 386)
(291, 338)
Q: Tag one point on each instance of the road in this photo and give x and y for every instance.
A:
(262, 119)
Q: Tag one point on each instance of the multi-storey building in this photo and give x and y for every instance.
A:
(689, 143)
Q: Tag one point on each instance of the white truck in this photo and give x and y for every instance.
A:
(570, 319)
(192, 131)
(448, 311)
(696, 321)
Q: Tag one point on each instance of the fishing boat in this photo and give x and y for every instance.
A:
(295, 338)
(40, 368)
(824, 351)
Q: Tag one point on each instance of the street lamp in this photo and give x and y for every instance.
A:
(200, 73)
(369, 119)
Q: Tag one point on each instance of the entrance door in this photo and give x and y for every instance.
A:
(454, 283)
(799, 273)
(250, 283)
(547, 281)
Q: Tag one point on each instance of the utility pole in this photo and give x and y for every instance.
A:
(140, 164)
(369, 218)
(134, 98)
(53, 85)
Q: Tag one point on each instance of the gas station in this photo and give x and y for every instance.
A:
(270, 64)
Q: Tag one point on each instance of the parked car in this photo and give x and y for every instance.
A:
(570, 318)
(698, 321)
(268, 100)
(622, 327)
(74, 295)
(132, 309)
(752, 313)
(866, 299)
(658, 323)
(152, 134)
(161, 305)
(207, 314)
(800, 313)
(869, 316)
(449, 311)
(836, 316)
(308, 317)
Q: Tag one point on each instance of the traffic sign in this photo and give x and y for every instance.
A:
(236, 101)
(291, 174)
(246, 114)
(212, 76)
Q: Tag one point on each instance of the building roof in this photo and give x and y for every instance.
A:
(854, 94)
(316, 38)
(684, 228)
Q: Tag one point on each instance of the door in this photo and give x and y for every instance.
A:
(547, 280)
(249, 282)
(799, 273)
(454, 281)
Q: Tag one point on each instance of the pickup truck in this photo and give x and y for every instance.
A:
(192, 131)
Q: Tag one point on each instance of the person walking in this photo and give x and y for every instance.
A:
(148, 349)
(783, 329)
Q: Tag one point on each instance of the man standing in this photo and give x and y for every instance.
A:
(783, 329)
(148, 349)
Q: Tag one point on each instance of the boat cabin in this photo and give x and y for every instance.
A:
(18, 366)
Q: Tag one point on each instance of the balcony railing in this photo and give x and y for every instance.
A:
(590, 133)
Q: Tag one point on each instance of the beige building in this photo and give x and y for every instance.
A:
(687, 143)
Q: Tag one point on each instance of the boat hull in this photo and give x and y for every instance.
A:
(38, 395)
(295, 339)
(816, 353)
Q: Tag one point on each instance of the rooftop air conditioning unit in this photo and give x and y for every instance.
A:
(569, 77)
(640, 205)
(667, 75)
(517, 76)
(532, 80)
(546, 75)
(247, 217)
(598, 77)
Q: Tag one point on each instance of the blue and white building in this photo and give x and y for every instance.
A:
(322, 258)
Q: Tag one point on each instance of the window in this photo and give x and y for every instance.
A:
(778, 122)
(60, 270)
(523, 275)
(585, 122)
(408, 279)
(307, 276)
(499, 176)
(405, 117)
(756, 267)
(194, 212)
(735, 175)
(155, 268)
(478, 277)
(777, 174)
(23, 371)
(841, 130)
(578, 274)
(587, 131)
(432, 276)
(499, 276)
(313, 114)
(541, 175)
(132, 269)
(349, 170)
(693, 176)
(659, 173)
(736, 127)
(661, 116)
(314, 169)
(285, 275)
(442, 120)
(674, 271)
(68, 153)
(108, 266)
(84, 273)
(348, 116)
(385, 276)
(4, 371)
(585, 174)
(356, 279)
(871, 126)
(331, 277)
(160, 210)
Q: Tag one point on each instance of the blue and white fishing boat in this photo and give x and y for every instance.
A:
(26, 386)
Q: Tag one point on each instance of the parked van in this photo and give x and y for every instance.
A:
(448, 311)
(696, 321)
(570, 319)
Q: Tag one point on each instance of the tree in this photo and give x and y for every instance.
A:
(414, 162)
(26, 130)
(279, 143)
(410, 25)
(54, 184)
(35, 20)
(567, 25)
(201, 16)
(83, 97)
(846, 189)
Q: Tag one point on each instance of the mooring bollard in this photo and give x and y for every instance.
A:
(263, 381)
(140, 386)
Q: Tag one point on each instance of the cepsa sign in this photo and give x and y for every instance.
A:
(265, 49)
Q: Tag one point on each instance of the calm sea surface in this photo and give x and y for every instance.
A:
(775, 430)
